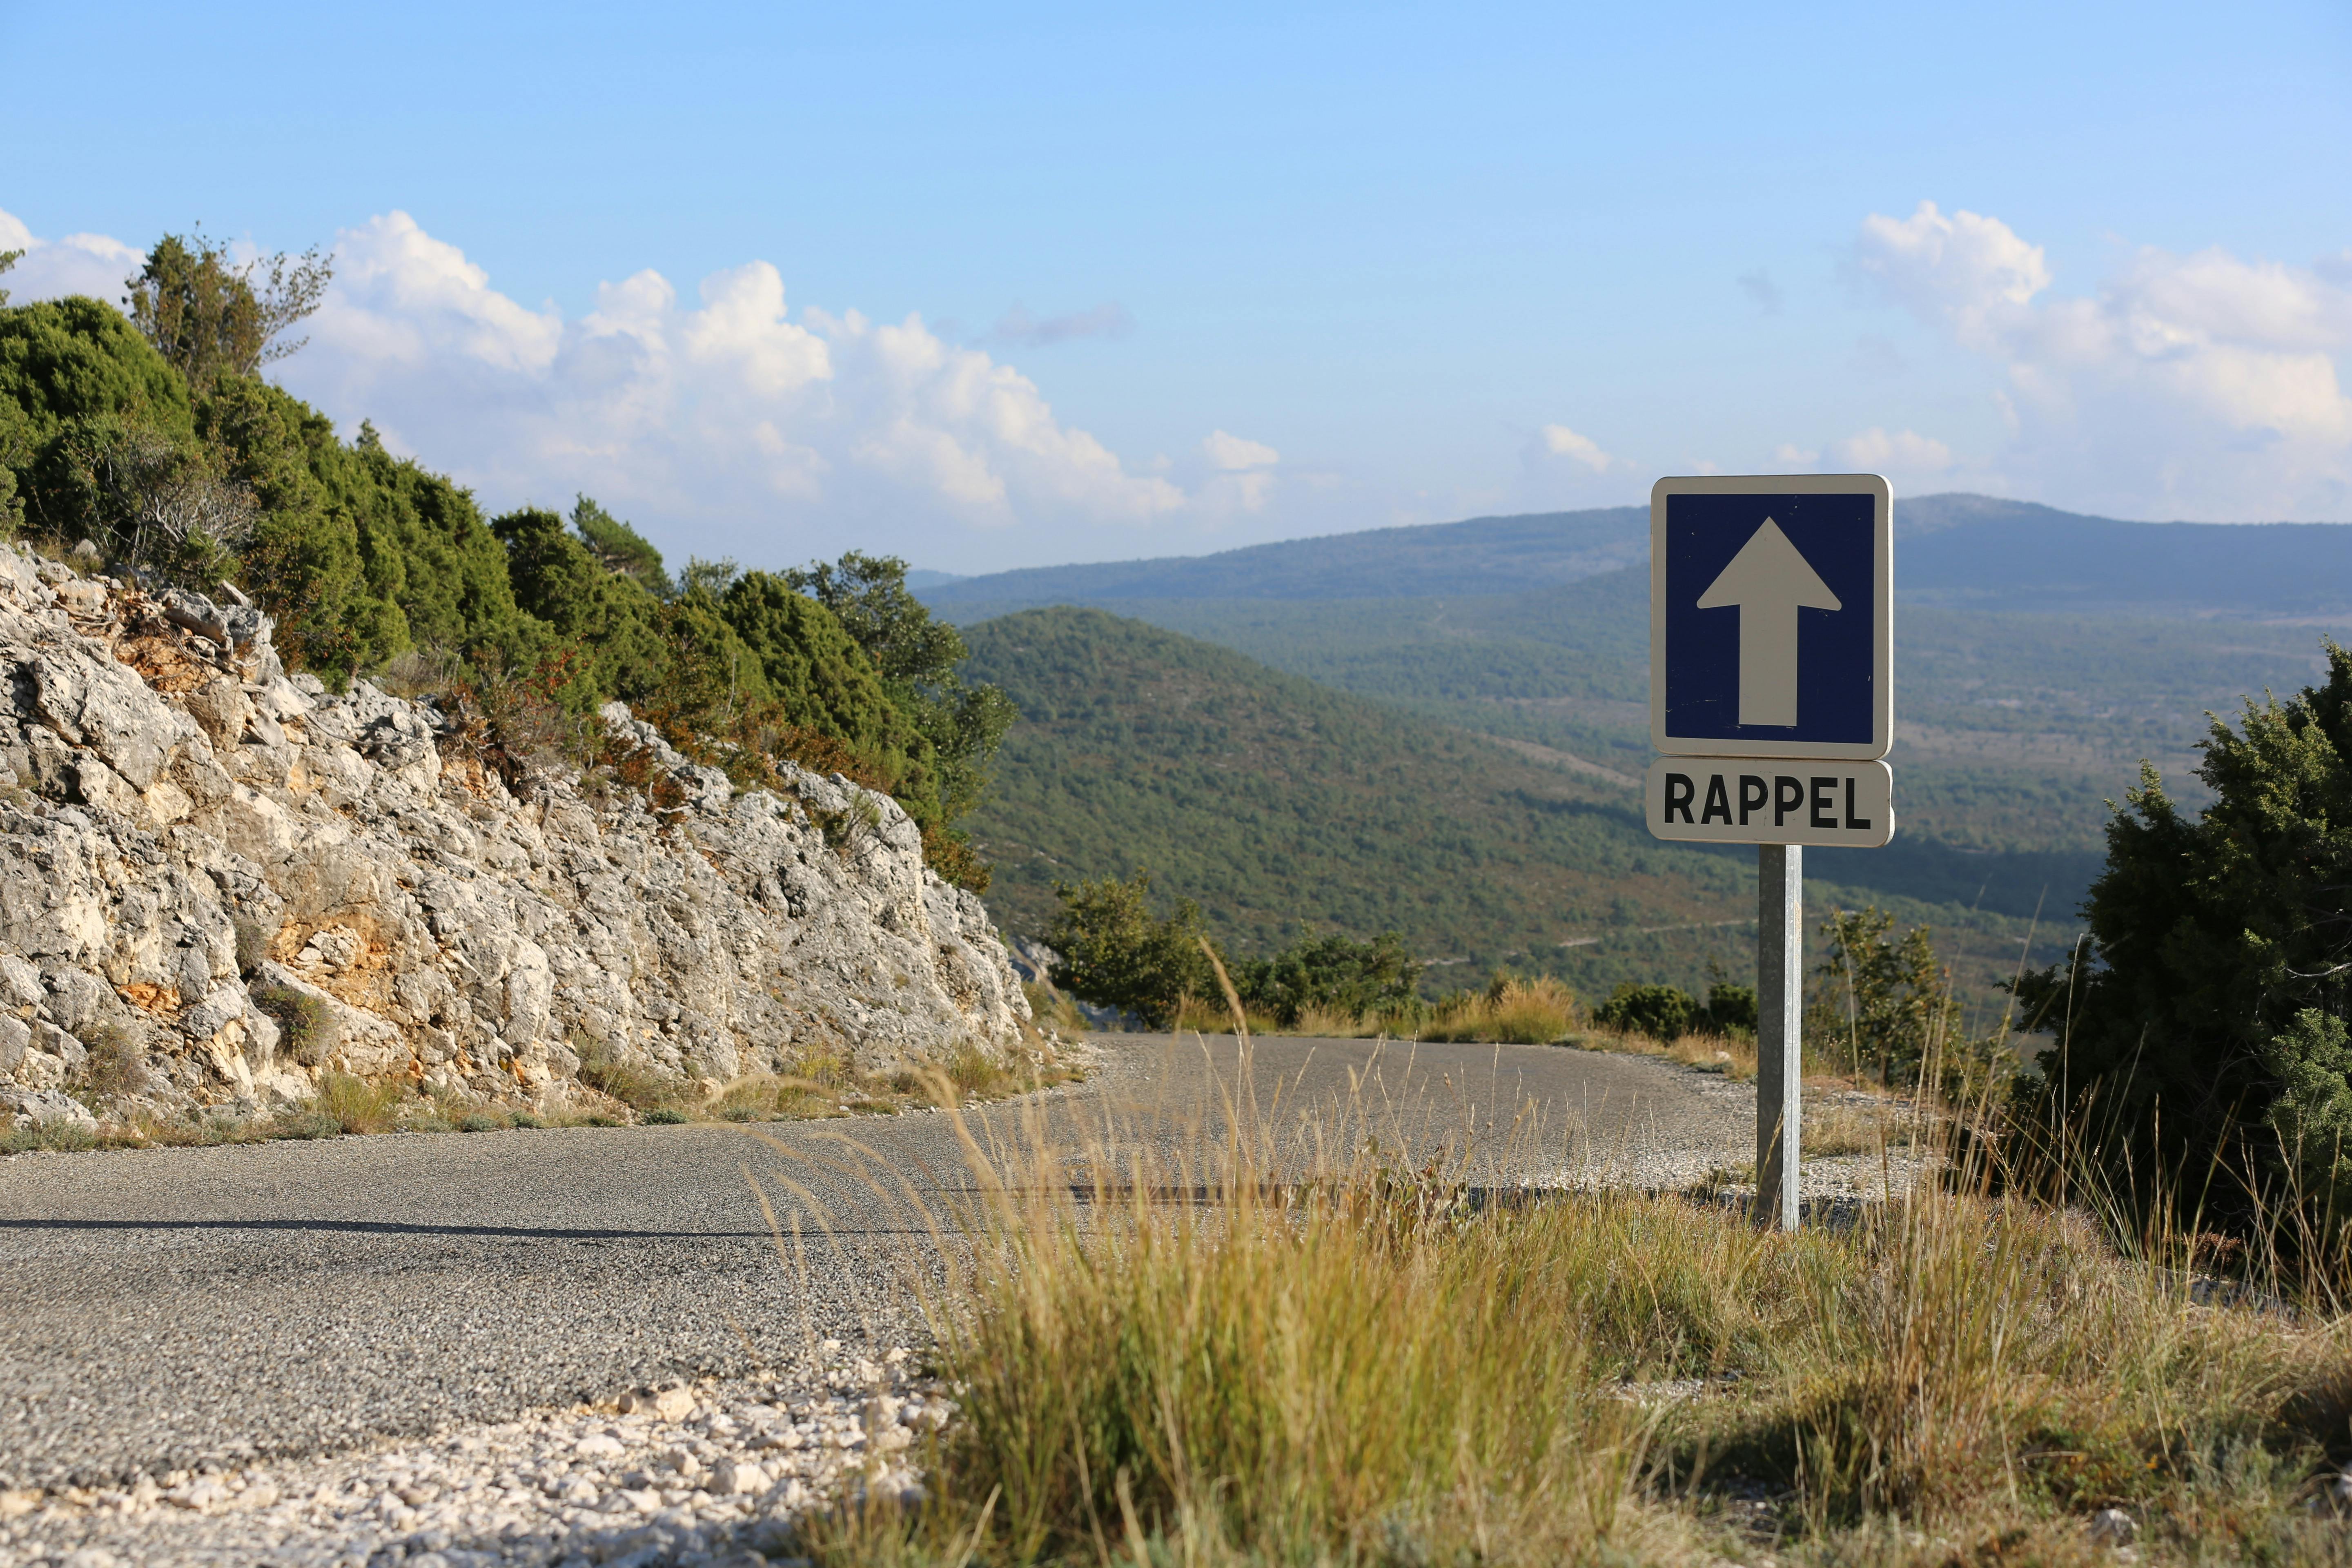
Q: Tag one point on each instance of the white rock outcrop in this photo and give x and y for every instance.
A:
(196, 846)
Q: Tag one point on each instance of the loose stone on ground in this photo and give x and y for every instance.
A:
(712, 1473)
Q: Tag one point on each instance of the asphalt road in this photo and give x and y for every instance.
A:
(164, 1308)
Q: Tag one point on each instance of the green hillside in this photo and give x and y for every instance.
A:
(1275, 801)
(2014, 729)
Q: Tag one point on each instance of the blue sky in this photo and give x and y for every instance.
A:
(1148, 281)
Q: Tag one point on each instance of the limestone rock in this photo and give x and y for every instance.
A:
(45, 1108)
(219, 881)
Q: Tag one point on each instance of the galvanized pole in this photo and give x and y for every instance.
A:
(1780, 1001)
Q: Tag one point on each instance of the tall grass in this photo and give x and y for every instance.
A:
(1231, 1348)
(1511, 1011)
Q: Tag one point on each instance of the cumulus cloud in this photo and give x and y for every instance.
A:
(1874, 451)
(1018, 329)
(730, 422)
(77, 264)
(2201, 385)
(1233, 454)
(1557, 441)
(1242, 473)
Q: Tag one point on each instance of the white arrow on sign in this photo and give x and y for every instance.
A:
(1770, 580)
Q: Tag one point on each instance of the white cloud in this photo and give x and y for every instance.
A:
(1233, 454)
(78, 264)
(2187, 385)
(1961, 270)
(1560, 441)
(734, 423)
(1242, 475)
(1874, 451)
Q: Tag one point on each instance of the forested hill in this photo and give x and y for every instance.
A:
(1956, 549)
(1274, 801)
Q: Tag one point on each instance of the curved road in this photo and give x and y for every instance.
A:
(159, 1309)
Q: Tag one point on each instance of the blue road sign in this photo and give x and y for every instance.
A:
(1771, 616)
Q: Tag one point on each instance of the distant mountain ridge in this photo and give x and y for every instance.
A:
(1481, 556)
(1955, 548)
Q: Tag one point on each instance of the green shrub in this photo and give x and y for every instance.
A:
(1730, 1010)
(2181, 1052)
(59, 1135)
(308, 1123)
(1329, 973)
(481, 1121)
(307, 1026)
(663, 1116)
(1116, 953)
(115, 434)
(639, 1088)
(357, 1104)
(1664, 1013)
(1884, 1004)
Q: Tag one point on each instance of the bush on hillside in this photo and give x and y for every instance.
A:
(1329, 973)
(2192, 1057)
(1664, 1013)
(1115, 952)
(164, 449)
(1884, 1004)
(1731, 1010)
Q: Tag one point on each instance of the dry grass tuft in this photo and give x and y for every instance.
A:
(357, 1104)
(1237, 1354)
(1510, 1012)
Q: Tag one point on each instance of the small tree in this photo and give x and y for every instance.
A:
(1664, 1013)
(619, 548)
(916, 657)
(204, 313)
(8, 258)
(1332, 972)
(1116, 953)
(1885, 999)
(2183, 1050)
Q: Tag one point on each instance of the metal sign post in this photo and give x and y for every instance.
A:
(1771, 698)
(1779, 1035)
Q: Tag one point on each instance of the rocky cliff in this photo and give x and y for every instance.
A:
(217, 881)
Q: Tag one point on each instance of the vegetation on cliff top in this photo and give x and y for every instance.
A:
(151, 436)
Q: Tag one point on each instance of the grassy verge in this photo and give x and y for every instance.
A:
(1187, 1360)
(821, 1085)
(1511, 1011)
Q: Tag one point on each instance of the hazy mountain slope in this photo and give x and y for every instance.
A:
(1954, 548)
(1482, 555)
(1272, 800)
(2015, 730)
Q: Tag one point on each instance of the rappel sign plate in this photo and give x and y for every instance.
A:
(1772, 616)
(1771, 800)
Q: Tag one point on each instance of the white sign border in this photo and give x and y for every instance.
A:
(1882, 719)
